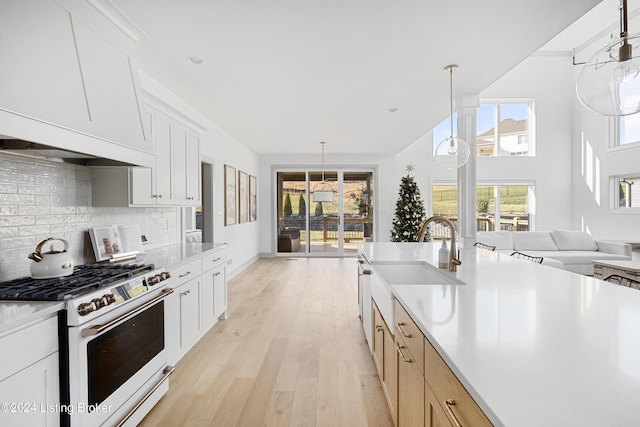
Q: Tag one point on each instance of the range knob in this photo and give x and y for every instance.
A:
(165, 275)
(86, 308)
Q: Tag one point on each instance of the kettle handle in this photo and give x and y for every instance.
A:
(39, 247)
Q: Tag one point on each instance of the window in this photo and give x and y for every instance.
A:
(507, 205)
(627, 130)
(627, 191)
(505, 128)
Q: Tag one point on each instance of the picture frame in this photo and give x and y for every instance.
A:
(253, 198)
(243, 197)
(229, 195)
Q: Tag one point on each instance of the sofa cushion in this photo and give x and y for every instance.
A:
(500, 239)
(568, 240)
(533, 240)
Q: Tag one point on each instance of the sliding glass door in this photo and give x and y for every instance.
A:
(323, 217)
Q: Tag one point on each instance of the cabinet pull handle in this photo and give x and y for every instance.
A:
(378, 328)
(367, 272)
(401, 331)
(185, 274)
(404, 359)
(217, 274)
(159, 196)
(185, 292)
(361, 261)
(216, 260)
(447, 405)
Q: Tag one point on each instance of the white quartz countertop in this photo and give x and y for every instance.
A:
(14, 314)
(534, 345)
(172, 255)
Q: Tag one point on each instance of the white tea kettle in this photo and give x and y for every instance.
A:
(47, 265)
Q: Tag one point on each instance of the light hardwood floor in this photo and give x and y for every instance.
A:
(291, 353)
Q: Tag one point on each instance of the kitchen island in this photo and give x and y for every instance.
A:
(532, 344)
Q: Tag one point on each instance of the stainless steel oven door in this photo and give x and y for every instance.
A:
(118, 363)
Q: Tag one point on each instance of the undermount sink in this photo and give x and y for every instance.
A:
(413, 273)
(389, 273)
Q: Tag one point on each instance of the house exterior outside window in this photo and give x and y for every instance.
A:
(505, 128)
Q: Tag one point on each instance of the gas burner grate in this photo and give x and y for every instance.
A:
(85, 278)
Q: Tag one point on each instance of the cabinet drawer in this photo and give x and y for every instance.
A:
(213, 260)
(447, 387)
(183, 273)
(27, 344)
(409, 335)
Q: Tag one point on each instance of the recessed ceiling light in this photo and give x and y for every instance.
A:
(195, 60)
(392, 109)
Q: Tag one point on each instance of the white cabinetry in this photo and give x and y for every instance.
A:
(69, 80)
(214, 289)
(29, 376)
(173, 181)
(182, 326)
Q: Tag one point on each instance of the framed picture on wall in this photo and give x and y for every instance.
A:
(253, 198)
(229, 195)
(243, 197)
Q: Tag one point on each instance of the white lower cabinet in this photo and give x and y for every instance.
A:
(199, 299)
(29, 375)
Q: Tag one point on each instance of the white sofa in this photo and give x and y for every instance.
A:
(574, 249)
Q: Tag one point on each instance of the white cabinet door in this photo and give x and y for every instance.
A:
(40, 74)
(220, 292)
(180, 162)
(189, 314)
(31, 395)
(214, 296)
(193, 169)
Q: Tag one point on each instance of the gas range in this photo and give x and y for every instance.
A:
(92, 289)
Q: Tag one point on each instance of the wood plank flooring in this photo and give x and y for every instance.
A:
(291, 353)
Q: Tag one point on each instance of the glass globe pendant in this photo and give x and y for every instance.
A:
(609, 83)
(452, 152)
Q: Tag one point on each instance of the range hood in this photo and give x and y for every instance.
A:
(36, 150)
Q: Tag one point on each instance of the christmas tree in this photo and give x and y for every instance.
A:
(409, 211)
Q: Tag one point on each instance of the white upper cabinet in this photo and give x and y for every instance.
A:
(69, 80)
(174, 179)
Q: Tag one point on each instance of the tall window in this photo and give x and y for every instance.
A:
(498, 207)
(505, 128)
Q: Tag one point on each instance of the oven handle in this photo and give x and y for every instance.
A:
(166, 372)
(95, 330)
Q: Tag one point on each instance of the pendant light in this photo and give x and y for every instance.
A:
(609, 83)
(322, 192)
(452, 152)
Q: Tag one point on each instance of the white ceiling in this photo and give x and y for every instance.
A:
(282, 75)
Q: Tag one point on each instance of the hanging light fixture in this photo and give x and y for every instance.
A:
(609, 83)
(453, 152)
(322, 192)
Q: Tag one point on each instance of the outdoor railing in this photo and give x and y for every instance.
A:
(351, 232)
(439, 230)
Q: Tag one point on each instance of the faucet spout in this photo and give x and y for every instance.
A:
(454, 255)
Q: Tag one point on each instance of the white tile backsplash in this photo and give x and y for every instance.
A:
(41, 199)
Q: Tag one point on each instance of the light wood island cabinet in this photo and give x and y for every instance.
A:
(385, 358)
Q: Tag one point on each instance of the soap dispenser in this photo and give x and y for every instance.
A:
(443, 255)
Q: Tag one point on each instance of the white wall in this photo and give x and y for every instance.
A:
(594, 163)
